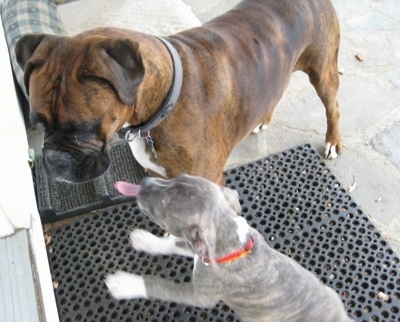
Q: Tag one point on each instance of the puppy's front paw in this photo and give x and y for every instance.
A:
(144, 241)
(124, 286)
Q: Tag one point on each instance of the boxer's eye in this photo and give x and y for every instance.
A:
(41, 121)
(86, 76)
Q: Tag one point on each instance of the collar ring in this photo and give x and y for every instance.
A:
(130, 136)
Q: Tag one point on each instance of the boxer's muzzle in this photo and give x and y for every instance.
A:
(75, 165)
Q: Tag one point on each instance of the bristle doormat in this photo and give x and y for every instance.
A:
(292, 198)
(60, 200)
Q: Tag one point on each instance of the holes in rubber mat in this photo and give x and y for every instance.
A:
(292, 198)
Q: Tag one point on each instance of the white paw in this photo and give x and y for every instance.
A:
(126, 286)
(143, 241)
(259, 128)
(330, 151)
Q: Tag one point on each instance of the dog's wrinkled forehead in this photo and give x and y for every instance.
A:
(186, 201)
(186, 194)
(180, 193)
(185, 188)
(194, 183)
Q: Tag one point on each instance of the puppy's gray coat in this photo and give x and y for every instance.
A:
(260, 285)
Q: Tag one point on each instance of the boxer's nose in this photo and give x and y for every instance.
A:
(58, 160)
(58, 163)
(75, 166)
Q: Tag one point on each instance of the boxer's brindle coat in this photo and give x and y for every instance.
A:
(83, 89)
(260, 285)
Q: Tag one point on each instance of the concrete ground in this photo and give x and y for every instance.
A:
(369, 95)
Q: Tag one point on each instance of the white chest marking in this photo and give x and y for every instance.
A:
(242, 229)
(139, 152)
(195, 259)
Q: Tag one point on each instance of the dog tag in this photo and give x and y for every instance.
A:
(150, 143)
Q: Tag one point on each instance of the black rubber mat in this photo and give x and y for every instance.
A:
(60, 200)
(291, 197)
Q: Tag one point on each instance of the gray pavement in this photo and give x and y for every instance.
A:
(369, 94)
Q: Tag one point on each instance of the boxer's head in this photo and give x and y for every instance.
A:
(81, 91)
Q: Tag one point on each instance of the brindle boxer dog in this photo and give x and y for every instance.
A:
(222, 79)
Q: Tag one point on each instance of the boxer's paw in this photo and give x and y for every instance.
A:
(330, 151)
(259, 128)
(125, 286)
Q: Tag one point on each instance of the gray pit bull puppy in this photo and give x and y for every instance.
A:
(232, 261)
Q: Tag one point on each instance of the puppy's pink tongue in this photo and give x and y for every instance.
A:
(126, 188)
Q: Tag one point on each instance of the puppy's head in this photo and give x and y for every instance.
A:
(80, 90)
(190, 207)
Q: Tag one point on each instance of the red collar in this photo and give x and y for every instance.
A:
(232, 256)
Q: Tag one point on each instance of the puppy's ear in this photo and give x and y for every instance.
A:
(120, 63)
(201, 242)
(232, 197)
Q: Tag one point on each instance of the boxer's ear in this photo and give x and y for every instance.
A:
(26, 46)
(121, 64)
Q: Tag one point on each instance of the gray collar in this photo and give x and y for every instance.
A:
(143, 130)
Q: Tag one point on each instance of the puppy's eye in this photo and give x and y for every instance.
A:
(165, 201)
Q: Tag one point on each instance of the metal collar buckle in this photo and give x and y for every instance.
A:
(131, 135)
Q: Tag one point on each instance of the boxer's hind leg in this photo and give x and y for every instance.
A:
(324, 76)
(326, 83)
(264, 125)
